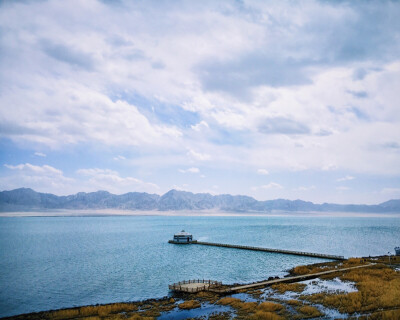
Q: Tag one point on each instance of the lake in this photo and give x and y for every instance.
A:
(59, 262)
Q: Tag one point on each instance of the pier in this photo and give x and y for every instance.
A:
(194, 286)
(262, 284)
(297, 253)
(218, 287)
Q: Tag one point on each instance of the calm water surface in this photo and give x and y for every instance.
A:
(57, 262)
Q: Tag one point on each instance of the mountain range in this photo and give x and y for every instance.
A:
(25, 199)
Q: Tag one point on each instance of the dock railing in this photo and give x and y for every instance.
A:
(181, 285)
(298, 253)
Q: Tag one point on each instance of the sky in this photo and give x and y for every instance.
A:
(271, 99)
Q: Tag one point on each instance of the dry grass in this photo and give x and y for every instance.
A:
(261, 315)
(302, 270)
(283, 287)
(238, 304)
(136, 316)
(294, 302)
(203, 294)
(190, 304)
(310, 311)
(229, 301)
(315, 298)
(90, 311)
(248, 307)
(270, 307)
(64, 314)
(252, 310)
(208, 296)
(379, 288)
(382, 315)
(151, 313)
(353, 261)
(220, 316)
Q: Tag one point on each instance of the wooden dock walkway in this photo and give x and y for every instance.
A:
(282, 280)
(298, 253)
(193, 286)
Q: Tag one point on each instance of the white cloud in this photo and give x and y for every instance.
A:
(200, 126)
(329, 167)
(262, 171)
(40, 154)
(198, 156)
(272, 185)
(111, 180)
(190, 170)
(27, 167)
(96, 172)
(41, 178)
(250, 95)
(119, 157)
(346, 178)
(49, 179)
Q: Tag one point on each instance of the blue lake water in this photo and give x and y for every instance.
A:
(58, 262)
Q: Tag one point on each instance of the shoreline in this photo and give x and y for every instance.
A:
(194, 213)
(268, 302)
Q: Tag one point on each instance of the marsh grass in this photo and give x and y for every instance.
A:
(136, 316)
(238, 304)
(253, 310)
(381, 315)
(270, 306)
(256, 293)
(115, 311)
(207, 296)
(190, 304)
(293, 302)
(262, 315)
(283, 287)
(378, 289)
(378, 297)
(310, 311)
(302, 270)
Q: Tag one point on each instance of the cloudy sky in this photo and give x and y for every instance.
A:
(272, 99)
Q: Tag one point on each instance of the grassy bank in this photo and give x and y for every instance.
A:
(375, 295)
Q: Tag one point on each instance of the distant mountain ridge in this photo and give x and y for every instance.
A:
(25, 199)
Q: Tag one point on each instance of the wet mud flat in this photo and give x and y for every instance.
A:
(372, 292)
